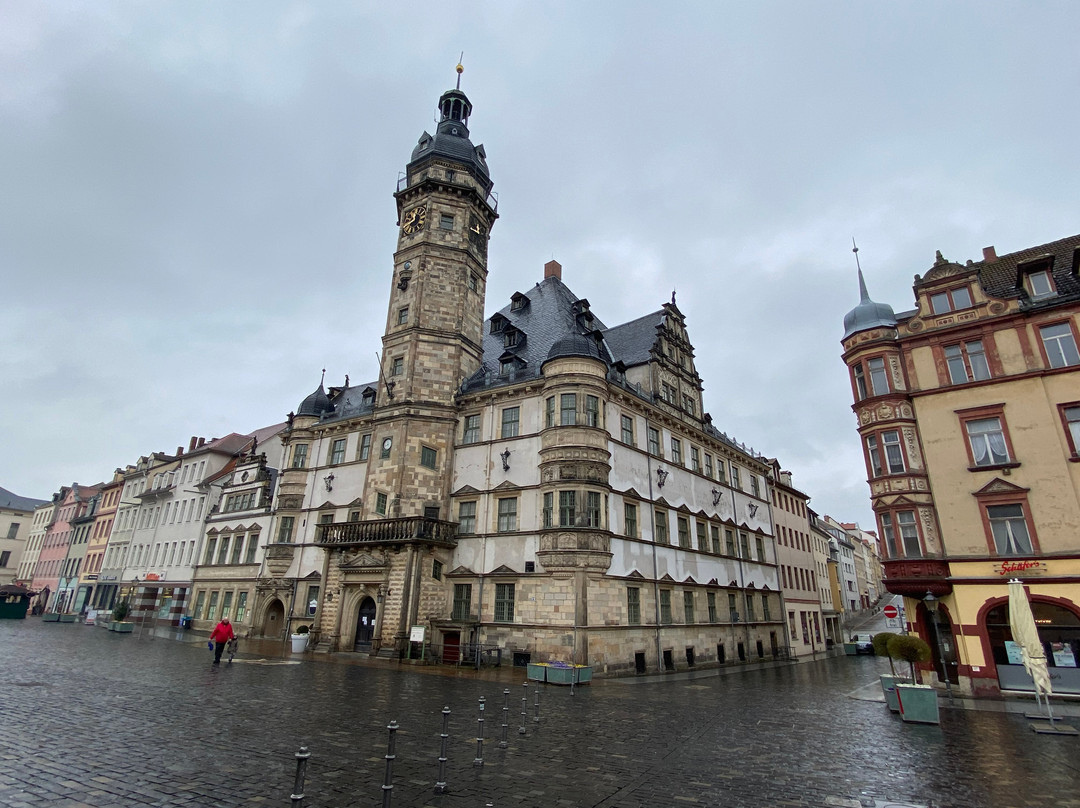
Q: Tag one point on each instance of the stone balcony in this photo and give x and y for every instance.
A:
(402, 530)
(914, 577)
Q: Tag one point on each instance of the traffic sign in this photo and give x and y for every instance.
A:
(890, 611)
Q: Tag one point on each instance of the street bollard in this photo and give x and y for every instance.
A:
(297, 796)
(479, 759)
(524, 707)
(388, 778)
(506, 716)
(440, 784)
(536, 718)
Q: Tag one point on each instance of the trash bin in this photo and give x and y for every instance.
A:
(185, 621)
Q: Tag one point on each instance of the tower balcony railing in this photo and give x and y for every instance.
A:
(387, 531)
(491, 197)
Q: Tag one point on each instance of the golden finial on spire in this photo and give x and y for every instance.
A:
(460, 69)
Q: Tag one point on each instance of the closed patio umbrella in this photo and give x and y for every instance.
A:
(1026, 635)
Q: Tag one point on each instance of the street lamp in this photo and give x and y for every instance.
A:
(931, 607)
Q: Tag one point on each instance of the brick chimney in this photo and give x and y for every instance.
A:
(989, 254)
(191, 443)
(553, 269)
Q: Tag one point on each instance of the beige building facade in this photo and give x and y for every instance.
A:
(969, 413)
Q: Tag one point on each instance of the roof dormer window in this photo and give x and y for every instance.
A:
(518, 301)
(1039, 284)
(951, 300)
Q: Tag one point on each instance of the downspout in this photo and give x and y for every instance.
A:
(655, 563)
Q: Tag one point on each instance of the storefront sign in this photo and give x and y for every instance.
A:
(152, 576)
(1021, 568)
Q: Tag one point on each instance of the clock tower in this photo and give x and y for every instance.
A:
(434, 323)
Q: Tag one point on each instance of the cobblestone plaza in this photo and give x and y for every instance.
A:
(93, 718)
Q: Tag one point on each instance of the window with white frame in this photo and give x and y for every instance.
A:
(592, 411)
(630, 519)
(627, 430)
(507, 514)
(987, 440)
(337, 451)
(1059, 342)
(1071, 416)
(568, 409)
(467, 517)
(951, 300)
(511, 417)
(676, 451)
(472, 429)
(967, 362)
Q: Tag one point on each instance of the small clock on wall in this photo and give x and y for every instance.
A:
(414, 220)
(386, 444)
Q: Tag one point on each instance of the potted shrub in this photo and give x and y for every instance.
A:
(917, 702)
(120, 614)
(888, 680)
(300, 639)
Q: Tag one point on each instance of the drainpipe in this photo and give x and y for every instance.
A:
(655, 564)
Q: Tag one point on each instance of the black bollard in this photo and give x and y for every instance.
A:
(440, 784)
(388, 778)
(506, 717)
(524, 707)
(479, 759)
(297, 796)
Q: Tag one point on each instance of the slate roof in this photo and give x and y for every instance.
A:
(999, 278)
(17, 503)
(631, 343)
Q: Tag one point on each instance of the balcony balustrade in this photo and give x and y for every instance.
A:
(388, 531)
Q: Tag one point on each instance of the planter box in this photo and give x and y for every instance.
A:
(537, 671)
(888, 689)
(50, 617)
(67, 618)
(851, 649)
(122, 627)
(918, 703)
(558, 675)
(299, 643)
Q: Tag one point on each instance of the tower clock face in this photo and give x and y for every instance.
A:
(414, 220)
(478, 235)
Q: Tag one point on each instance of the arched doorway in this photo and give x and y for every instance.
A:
(365, 625)
(940, 639)
(274, 621)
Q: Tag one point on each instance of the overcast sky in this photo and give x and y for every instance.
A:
(196, 213)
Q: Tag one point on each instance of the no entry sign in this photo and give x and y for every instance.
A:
(890, 611)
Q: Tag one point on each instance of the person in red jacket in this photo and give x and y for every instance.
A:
(221, 634)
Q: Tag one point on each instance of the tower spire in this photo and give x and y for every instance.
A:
(863, 294)
(460, 69)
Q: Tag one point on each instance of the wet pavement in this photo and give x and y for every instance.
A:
(93, 718)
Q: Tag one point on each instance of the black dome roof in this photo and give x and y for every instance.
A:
(576, 345)
(315, 404)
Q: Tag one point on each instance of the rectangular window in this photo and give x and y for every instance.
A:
(472, 429)
(428, 457)
(688, 607)
(1039, 284)
(337, 452)
(223, 550)
(688, 403)
(380, 504)
(507, 515)
(661, 527)
(547, 513)
(630, 520)
(403, 315)
(654, 441)
(436, 569)
(1059, 342)
(592, 411)
(466, 517)
(226, 605)
(951, 300)
(735, 477)
(462, 602)
(879, 379)
(860, 382)
(702, 537)
(733, 611)
(909, 534)
(211, 610)
(987, 441)
(744, 544)
(729, 540)
(695, 459)
(200, 599)
(365, 447)
(676, 452)
(759, 545)
(241, 607)
(665, 607)
(708, 465)
(755, 485)
(567, 508)
(750, 618)
(510, 422)
(894, 454)
(714, 535)
(874, 452)
(504, 603)
(252, 547)
(593, 513)
(682, 524)
(211, 545)
(326, 518)
(711, 599)
(549, 411)
(1071, 416)
(398, 366)
(633, 606)
(627, 430)
(299, 456)
(1010, 530)
(237, 549)
(967, 362)
(765, 615)
(568, 409)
